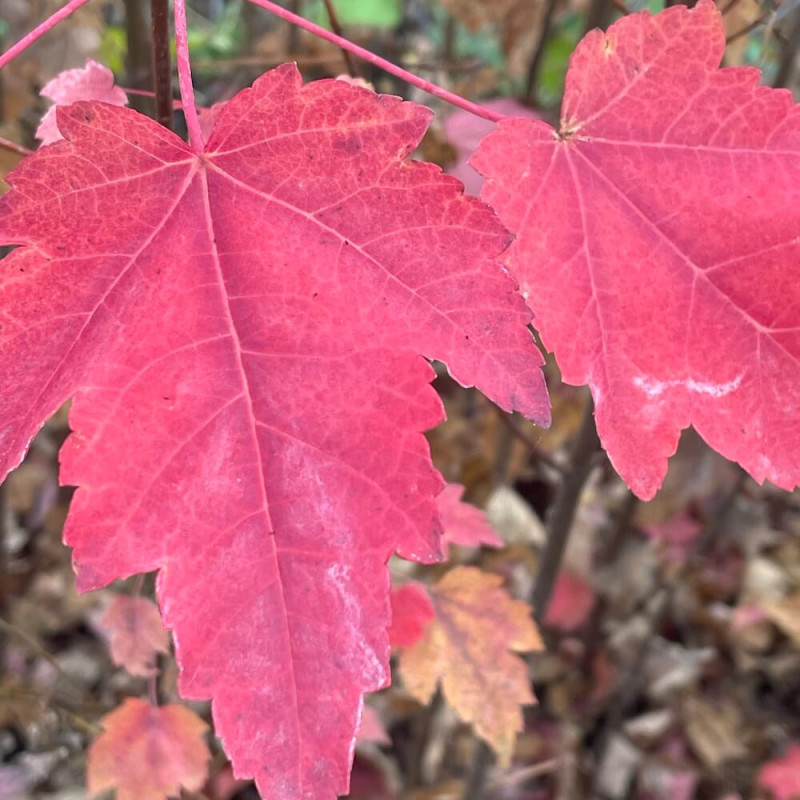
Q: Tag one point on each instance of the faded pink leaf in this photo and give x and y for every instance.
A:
(91, 82)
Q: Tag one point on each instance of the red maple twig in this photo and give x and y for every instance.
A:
(40, 30)
(185, 78)
(388, 66)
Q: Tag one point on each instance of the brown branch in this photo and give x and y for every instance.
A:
(162, 73)
(562, 512)
(337, 29)
(138, 61)
(481, 764)
(789, 50)
(511, 422)
(538, 52)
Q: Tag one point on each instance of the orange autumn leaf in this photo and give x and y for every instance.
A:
(135, 633)
(470, 649)
(148, 752)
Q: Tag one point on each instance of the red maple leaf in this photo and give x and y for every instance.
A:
(242, 332)
(658, 234)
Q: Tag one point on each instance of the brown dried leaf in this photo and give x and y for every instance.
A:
(466, 648)
(786, 616)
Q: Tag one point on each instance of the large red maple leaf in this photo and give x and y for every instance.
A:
(658, 236)
(242, 332)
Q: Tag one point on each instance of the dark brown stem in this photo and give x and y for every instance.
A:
(422, 736)
(337, 29)
(744, 31)
(293, 34)
(481, 764)
(138, 61)
(729, 6)
(162, 71)
(598, 15)
(622, 526)
(538, 52)
(789, 54)
(562, 512)
(511, 422)
(449, 43)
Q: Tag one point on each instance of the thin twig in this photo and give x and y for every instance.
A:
(598, 15)
(77, 721)
(162, 72)
(520, 776)
(138, 58)
(622, 526)
(536, 452)
(293, 34)
(562, 512)
(423, 736)
(481, 764)
(337, 29)
(747, 29)
(40, 30)
(382, 63)
(539, 50)
(729, 6)
(789, 50)
(185, 78)
(35, 647)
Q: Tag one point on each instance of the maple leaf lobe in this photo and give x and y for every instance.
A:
(243, 335)
(669, 287)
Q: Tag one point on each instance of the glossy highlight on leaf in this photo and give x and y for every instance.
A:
(658, 238)
(244, 335)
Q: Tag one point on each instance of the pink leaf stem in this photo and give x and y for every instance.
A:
(40, 30)
(372, 58)
(185, 78)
